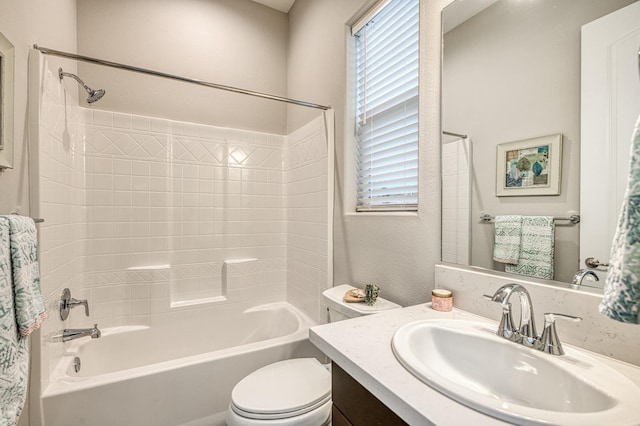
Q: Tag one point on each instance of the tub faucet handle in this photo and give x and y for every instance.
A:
(73, 303)
(95, 332)
(67, 303)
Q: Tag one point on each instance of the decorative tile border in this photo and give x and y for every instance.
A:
(137, 137)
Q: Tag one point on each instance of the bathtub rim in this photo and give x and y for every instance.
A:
(61, 383)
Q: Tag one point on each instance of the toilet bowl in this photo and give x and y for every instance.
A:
(296, 391)
(291, 392)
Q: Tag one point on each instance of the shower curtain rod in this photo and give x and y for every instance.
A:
(460, 135)
(97, 61)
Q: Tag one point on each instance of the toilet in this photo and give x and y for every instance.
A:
(295, 391)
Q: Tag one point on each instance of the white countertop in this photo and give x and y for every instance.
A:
(362, 347)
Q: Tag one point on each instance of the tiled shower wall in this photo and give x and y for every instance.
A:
(307, 203)
(61, 189)
(456, 201)
(145, 216)
(169, 203)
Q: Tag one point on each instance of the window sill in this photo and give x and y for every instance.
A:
(381, 214)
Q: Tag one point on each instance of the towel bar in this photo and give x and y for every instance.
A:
(36, 220)
(574, 218)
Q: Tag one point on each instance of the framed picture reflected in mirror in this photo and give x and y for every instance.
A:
(529, 167)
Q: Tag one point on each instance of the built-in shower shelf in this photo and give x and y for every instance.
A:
(203, 301)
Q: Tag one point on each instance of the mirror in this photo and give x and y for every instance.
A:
(6, 102)
(510, 75)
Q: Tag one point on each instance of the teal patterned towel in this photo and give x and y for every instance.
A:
(507, 234)
(22, 310)
(536, 248)
(622, 289)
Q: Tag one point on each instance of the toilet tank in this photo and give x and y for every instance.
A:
(340, 310)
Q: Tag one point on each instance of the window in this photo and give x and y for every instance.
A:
(386, 128)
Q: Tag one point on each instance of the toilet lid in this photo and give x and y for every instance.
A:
(282, 389)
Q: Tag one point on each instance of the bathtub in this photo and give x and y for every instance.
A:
(177, 371)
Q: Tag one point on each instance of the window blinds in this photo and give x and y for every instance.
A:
(387, 109)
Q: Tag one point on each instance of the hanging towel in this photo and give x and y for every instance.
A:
(507, 233)
(22, 310)
(621, 300)
(536, 248)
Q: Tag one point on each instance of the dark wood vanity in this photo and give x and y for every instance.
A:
(353, 405)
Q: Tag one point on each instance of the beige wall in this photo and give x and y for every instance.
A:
(25, 23)
(228, 42)
(398, 252)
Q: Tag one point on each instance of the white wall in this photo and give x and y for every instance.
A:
(230, 42)
(398, 252)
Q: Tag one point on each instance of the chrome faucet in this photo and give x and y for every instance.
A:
(67, 303)
(526, 334)
(581, 274)
(526, 331)
(72, 334)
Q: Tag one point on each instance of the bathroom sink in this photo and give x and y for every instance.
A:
(466, 361)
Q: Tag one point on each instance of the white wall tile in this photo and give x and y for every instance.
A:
(159, 125)
(122, 121)
(140, 123)
(102, 118)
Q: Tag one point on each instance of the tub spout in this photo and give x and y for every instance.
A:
(71, 334)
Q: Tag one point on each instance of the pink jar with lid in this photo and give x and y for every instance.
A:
(441, 300)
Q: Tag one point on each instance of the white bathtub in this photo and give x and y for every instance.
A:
(178, 371)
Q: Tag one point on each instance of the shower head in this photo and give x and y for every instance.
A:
(94, 95)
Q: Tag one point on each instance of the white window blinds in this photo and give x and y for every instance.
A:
(387, 108)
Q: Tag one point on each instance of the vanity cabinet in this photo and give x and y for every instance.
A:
(353, 405)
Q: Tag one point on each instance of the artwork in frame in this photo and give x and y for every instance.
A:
(529, 167)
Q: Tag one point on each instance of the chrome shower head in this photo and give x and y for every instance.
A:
(94, 95)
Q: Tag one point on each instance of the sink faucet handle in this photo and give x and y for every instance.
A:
(549, 341)
(554, 316)
(507, 328)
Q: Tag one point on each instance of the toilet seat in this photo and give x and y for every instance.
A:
(283, 390)
(321, 416)
(279, 416)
